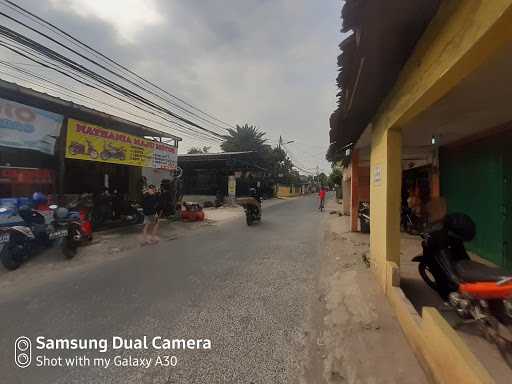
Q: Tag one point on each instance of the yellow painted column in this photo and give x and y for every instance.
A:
(385, 196)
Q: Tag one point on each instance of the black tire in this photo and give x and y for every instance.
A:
(249, 219)
(104, 155)
(427, 276)
(69, 250)
(11, 259)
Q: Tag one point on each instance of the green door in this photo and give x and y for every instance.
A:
(472, 183)
(507, 208)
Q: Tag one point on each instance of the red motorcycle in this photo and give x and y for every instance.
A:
(83, 207)
(476, 292)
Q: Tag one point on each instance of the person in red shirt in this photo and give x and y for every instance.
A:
(321, 195)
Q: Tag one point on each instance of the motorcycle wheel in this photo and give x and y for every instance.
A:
(104, 155)
(97, 218)
(427, 275)
(93, 155)
(249, 218)
(10, 256)
(69, 250)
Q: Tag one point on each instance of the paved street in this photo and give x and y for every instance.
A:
(247, 289)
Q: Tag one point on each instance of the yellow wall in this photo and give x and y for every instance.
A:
(462, 36)
(284, 191)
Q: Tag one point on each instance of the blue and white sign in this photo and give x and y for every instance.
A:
(27, 127)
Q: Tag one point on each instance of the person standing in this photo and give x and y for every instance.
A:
(150, 206)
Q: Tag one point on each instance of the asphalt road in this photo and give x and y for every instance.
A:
(247, 289)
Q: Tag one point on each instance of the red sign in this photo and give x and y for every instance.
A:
(26, 176)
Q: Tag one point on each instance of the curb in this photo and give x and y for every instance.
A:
(440, 350)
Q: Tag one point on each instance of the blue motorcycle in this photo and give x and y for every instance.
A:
(20, 242)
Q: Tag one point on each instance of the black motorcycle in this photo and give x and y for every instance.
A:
(252, 207)
(476, 292)
(20, 242)
(364, 216)
(114, 208)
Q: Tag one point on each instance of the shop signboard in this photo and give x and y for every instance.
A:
(26, 127)
(26, 176)
(232, 186)
(94, 143)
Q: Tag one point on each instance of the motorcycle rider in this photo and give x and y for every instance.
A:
(321, 196)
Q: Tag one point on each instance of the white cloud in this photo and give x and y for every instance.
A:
(128, 17)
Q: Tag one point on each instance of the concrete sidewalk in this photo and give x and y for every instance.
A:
(361, 340)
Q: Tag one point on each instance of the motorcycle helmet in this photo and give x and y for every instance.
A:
(39, 198)
(461, 226)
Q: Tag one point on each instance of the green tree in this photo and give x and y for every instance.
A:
(335, 177)
(323, 179)
(196, 150)
(244, 138)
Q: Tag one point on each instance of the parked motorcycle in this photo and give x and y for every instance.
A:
(20, 242)
(112, 207)
(82, 206)
(112, 152)
(364, 216)
(478, 293)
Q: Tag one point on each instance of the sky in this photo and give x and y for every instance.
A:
(270, 63)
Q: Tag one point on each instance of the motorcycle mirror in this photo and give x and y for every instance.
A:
(53, 206)
(3, 209)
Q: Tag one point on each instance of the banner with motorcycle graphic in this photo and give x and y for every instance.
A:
(94, 143)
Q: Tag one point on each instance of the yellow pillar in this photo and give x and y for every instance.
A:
(462, 36)
(385, 195)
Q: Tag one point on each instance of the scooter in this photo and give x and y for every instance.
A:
(19, 243)
(81, 207)
(476, 292)
(252, 207)
(112, 207)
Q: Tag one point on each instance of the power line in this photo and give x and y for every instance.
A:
(42, 22)
(26, 72)
(182, 132)
(12, 35)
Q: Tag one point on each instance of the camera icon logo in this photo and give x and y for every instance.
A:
(23, 352)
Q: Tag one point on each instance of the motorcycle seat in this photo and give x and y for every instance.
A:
(472, 272)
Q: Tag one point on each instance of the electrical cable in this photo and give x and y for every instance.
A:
(182, 132)
(12, 35)
(42, 22)
(105, 68)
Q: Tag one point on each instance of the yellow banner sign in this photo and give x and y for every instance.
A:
(90, 142)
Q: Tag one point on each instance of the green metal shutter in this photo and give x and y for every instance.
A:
(472, 182)
(507, 204)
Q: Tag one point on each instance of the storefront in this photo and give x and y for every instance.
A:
(61, 148)
(28, 149)
(99, 158)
